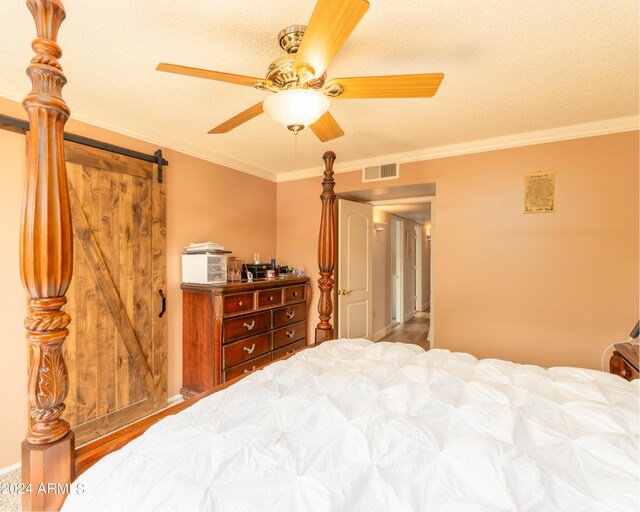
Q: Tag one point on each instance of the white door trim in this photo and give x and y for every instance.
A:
(399, 284)
(432, 303)
(418, 234)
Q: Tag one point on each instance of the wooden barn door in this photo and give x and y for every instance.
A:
(116, 349)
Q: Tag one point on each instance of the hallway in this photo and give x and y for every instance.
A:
(414, 331)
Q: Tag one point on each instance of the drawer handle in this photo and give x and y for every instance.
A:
(295, 294)
(249, 326)
(291, 352)
(252, 368)
(290, 334)
(239, 303)
(291, 315)
(270, 298)
(250, 350)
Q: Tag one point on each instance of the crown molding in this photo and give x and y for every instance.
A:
(164, 142)
(577, 131)
(180, 147)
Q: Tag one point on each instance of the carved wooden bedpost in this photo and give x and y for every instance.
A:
(46, 264)
(326, 251)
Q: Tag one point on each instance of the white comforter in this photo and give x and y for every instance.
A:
(355, 426)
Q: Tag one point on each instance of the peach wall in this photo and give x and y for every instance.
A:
(205, 201)
(298, 222)
(549, 289)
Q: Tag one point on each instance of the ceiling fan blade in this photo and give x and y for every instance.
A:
(394, 86)
(236, 121)
(330, 25)
(326, 128)
(211, 75)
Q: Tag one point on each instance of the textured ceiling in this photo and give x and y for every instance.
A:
(510, 67)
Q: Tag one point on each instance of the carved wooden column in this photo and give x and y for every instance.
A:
(46, 263)
(326, 251)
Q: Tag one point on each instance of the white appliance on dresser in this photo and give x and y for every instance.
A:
(204, 268)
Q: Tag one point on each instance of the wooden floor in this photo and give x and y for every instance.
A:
(414, 331)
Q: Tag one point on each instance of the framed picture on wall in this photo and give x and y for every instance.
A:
(539, 192)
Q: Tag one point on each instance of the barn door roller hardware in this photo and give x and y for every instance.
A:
(160, 161)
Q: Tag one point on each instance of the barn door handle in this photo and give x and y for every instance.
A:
(164, 303)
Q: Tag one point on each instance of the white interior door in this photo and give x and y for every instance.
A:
(355, 270)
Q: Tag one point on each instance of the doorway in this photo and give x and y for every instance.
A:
(398, 288)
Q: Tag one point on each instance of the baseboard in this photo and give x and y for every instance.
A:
(11, 468)
(408, 316)
(172, 400)
(382, 332)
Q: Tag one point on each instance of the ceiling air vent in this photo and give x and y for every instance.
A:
(380, 172)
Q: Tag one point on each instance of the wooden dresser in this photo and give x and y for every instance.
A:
(233, 328)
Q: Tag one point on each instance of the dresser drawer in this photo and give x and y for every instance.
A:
(289, 349)
(245, 349)
(289, 315)
(248, 367)
(286, 335)
(246, 325)
(293, 294)
(238, 302)
(267, 298)
(618, 365)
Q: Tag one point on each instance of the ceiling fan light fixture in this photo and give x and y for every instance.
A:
(296, 107)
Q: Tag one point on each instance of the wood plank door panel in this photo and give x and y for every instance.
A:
(116, 350)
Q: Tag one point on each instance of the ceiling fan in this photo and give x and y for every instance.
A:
(298, 79)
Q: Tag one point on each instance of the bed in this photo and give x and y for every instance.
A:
(345, 425)
(354, 425)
